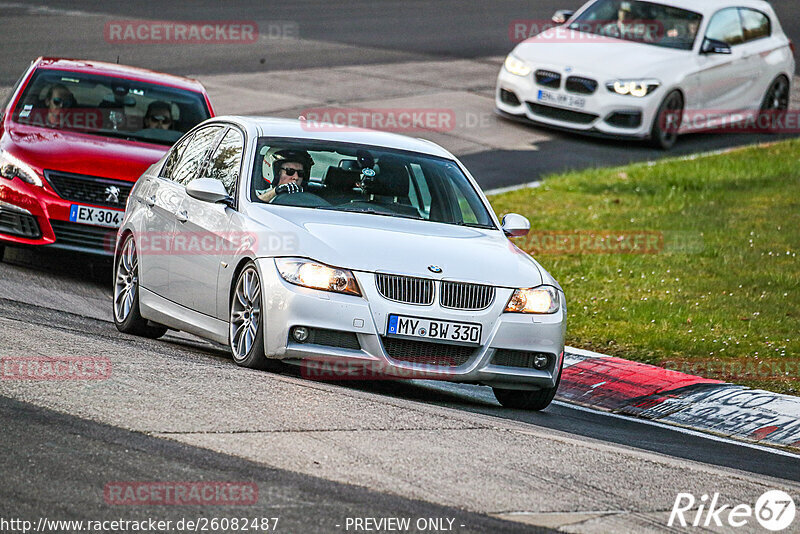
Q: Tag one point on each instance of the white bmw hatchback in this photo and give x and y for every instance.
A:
(636, 69)
(291, 243)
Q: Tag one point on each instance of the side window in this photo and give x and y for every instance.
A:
(755, 24)
(193, 155)
(726, 27)
(168, 170)
(226, 161)
(7, 99)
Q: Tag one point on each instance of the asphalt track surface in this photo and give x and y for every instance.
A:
(62, 447)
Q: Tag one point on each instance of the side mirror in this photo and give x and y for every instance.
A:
(207, 190)
(713, 46)
(515, 225)
(562, 15)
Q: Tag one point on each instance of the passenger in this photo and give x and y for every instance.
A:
(58, 98)
(289, 169)
(158, 116)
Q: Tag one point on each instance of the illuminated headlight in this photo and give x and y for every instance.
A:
(516, 66)
(543, 299)
(638, 88)
(308, 273)
(11, 167)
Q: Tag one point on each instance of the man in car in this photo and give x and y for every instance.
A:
(58, 97)
(158, 116)
(289, 168)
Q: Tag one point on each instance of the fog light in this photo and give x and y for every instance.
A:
(540, 361)
(300, 333)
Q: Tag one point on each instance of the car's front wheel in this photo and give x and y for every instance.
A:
(525, 399)
(664, 132)
(246, 334)
(126, 295)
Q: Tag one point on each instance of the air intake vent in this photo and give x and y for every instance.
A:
(405, 289)
(463, 296)
(424, 353)
(583, 86)
(89, 189)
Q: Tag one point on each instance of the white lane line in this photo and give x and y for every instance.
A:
(510, 188)
(680, 429)
(45, 10)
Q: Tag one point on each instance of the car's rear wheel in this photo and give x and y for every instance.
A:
(520, 399)
(126, 295)
(664, 132)
(246, 332)
(776, 101)
(2, 252)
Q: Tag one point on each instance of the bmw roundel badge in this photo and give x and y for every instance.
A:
(434, 268)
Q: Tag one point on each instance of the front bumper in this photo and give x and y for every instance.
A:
(33, 215)
(365, 319)
(604, 112)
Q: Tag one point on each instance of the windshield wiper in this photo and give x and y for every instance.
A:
(473, 225)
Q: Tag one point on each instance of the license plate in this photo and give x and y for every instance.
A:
(95, 216)
(561, 100)
(432, 329)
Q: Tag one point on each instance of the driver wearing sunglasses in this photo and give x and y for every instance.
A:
(158, 116)
(290, 168)
(58, 98)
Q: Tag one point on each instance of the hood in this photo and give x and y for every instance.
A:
(568, 48)
(373, 243)
(93, 155)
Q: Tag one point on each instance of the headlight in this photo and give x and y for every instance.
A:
(543, 299)
(638, 88)
(11, 167)
(516, 66)
(308, 273)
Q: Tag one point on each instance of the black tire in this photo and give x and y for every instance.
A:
(520, 399)
(776, 101)
(664, 132)
(2, 252)
(254, 357)
(131, 322)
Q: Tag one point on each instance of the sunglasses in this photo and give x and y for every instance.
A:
(290, 172)
(163, 119)
(61, 101)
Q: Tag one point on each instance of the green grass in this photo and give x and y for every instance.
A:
(724, 286)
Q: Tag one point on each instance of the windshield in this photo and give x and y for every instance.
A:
(109, 106)
(365, 179)
(643, 22)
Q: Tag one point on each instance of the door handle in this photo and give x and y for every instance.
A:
(182, 216)
(150, 201)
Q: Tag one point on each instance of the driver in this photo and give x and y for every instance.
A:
(289, 169)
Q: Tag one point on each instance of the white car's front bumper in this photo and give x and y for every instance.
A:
(347, 318)
(603, 112)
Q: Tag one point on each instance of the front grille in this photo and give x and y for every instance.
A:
(463, 296)
(333, 338)
(519, 358)
(560, 114)
(89, 189)
(548, 78)
(84, 236)
(424, 353)
(578, 84)
(405, 289)
(19, 224)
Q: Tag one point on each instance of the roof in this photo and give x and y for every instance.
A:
(711, 6)
(299, 129)
(122, 71)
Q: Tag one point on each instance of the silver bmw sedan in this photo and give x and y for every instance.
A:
(349, 252)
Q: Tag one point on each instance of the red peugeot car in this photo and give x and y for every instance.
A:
(74, 137)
